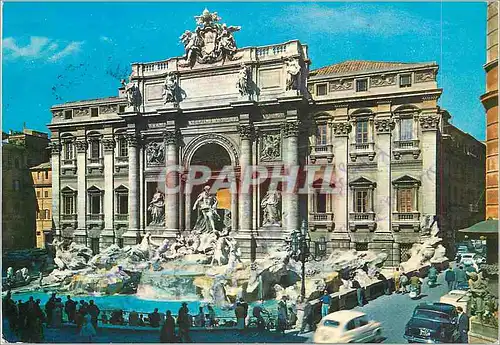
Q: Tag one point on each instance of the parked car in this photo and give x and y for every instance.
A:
(456, 298)
(432, 323)
(347, 326)
(461, 250)
(479, 259)
(467, 259)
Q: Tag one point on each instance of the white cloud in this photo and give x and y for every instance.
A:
(354, 18)
(105, 39)
(71, 48)
(39, 48)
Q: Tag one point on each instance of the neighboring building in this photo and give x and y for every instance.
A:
(376, 123)
(490, 102)
(42, 182)
(463, 197)
(20, 151)
(379, 123)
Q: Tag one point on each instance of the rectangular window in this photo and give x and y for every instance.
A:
(94, 149)
(47, 175)
(95, 203)
(405, 80)
(122, 148)
(46, 193)
(68, 114)
(94, 112)
(321, 203)
(37, 175)
(361, 201)
(321, 135)
(94, 245)
(122, 203)
(321, 90)
(68, 150)
(406, 129)
(361, 85)
(38, 194)
(47, 214)
(38, 215)
(405, 200)
(361, 132)
(69, 204)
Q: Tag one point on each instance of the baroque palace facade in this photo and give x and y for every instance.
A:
(375, 124)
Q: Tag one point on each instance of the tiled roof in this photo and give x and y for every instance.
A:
(362, 65)
(42, 166)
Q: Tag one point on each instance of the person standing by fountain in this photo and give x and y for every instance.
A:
(325, 303)
(94, 311)
(57, 314)
(87, 331)
(49, 307)
(449, 277)
(167, 332)
(396, 276)
(70, 309)
(154, 318)
(184, 323)
(239, 312)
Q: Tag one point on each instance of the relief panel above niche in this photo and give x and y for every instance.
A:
(270, 79)
(154, 91)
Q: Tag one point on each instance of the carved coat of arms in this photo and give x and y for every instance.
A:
(210, 42)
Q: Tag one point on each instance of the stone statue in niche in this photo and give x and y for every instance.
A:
(206, 204)
(170, 89)
(133, 94)
(155, 154)
(292, 70)
(271, 147)
(156, 209)
(243, 78)
(271, 205)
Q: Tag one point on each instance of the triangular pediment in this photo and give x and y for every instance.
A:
(121, 188)
(406, 180)
(68, 189)
(362, 182)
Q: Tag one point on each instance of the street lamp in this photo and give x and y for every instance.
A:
(301, 251)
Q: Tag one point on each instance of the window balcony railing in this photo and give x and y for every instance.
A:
(121, 159)
(321, 151)
(95, 161)
(69, 217)
(69, 162)
(362, 216)
(406, 216)
(321, 217)
(95, 217)
(121, 217)
(362, 149)
(406, 147)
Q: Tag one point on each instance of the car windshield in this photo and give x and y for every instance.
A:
(431, 314)
(331, 323)
(468, 256)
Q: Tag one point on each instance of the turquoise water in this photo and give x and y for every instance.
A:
(132, 302)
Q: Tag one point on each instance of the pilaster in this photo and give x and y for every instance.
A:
(81, 204)
(108, 148)
(429, 125)
(133, 204)
(341, 132)
(55, 150)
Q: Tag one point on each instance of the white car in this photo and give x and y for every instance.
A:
(456, 298)
(347, 326)
(468, 260)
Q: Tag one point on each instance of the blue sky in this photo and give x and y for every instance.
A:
(58, 52)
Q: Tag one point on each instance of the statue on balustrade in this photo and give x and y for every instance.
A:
(156, 209)
(208, 217)
(133, 94)
(170, 89)
(292, 70)
(271, 205)
(227, 43)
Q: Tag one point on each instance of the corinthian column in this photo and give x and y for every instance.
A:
(171, 182)
(108, 146)
(291, 133)
(133, 182)
(245, 196)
